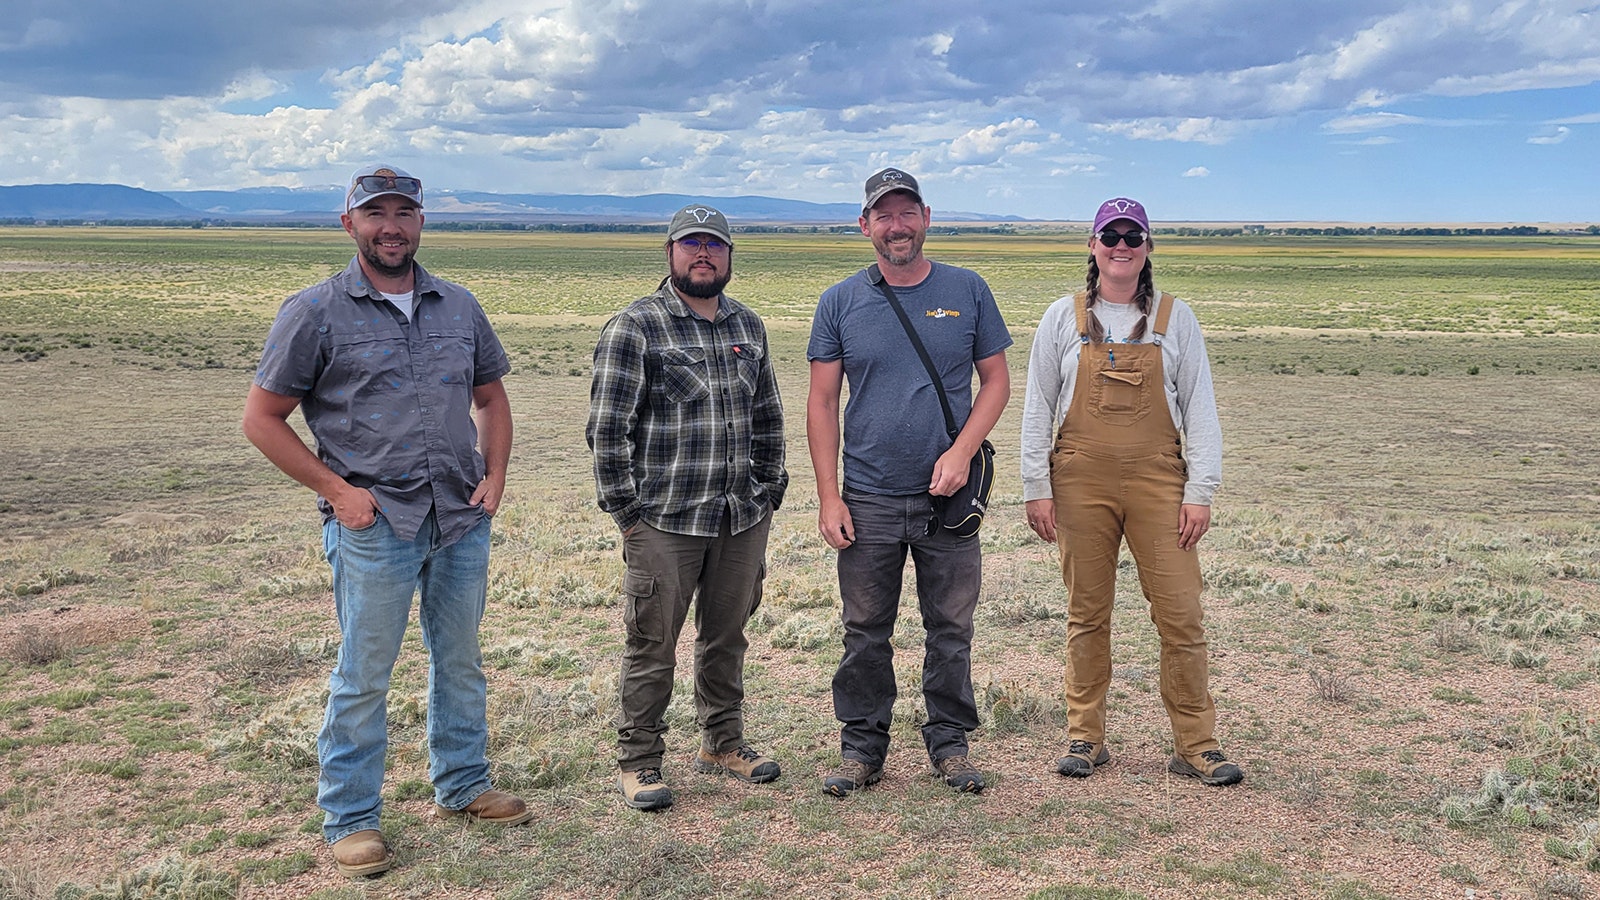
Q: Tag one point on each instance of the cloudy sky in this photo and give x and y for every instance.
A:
(1360, 110)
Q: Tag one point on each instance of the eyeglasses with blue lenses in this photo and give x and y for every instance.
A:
(711, 245)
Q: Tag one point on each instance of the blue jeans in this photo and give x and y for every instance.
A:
(375, 575)
(949, 573)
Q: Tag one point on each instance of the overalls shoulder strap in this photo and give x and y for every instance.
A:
(1163, 313)
(1080, 303)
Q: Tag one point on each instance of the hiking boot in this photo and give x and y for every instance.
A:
(361, 854)
(1082, 759)
(644, 789)
(742, 762)
(852, 775)
(959, 774)
(1211, 767)
(490, 808)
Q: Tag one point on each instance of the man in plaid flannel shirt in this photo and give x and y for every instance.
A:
(687, 431)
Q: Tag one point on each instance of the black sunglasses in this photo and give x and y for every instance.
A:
(372, 184)
(1112, 238)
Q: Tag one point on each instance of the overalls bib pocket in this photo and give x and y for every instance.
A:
(1120, 396)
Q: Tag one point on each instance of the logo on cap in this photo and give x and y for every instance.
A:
(701, 214)
(1121, 206)
(892, 175)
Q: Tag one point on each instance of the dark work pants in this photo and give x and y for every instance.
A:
(665, 571)
(949, 573)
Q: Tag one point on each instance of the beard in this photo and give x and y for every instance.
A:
(701, 290)
(369, 252)
(900, 259)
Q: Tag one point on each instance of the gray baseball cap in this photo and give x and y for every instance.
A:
(890, 179)
(698, 217)
(371, 182)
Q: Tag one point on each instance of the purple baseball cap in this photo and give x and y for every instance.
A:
(1121, 208)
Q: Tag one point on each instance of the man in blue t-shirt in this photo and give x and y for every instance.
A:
(897, 458)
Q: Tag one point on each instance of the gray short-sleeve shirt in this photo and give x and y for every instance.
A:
(894, 429)
(389, 401)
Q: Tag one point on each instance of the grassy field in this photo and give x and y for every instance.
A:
(1403, 596)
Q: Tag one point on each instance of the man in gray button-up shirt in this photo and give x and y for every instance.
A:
(388, 363)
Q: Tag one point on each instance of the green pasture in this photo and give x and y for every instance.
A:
(1403, 595)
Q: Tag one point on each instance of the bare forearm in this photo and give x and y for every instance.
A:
(282, 446)
(494, 436)
(822, 439)
(994, 392)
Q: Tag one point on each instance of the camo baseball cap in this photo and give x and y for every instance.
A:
(696, 218)
(890, 179)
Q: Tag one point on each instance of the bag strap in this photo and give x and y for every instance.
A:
(1163, 313)
(876, 277)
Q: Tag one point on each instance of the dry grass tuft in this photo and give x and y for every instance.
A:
(1331, 684)
(33, 646)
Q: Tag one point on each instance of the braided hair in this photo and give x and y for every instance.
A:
(1142, 297)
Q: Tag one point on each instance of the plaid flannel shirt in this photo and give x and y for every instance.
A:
(684, 418)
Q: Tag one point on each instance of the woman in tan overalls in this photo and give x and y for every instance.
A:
(1120, 439)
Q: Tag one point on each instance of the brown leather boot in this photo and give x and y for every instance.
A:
(361, 854)
(491, 808)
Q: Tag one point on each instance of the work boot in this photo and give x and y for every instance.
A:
(1211, 767)
(490, 808)
(361, 854)
(960, 774)
(743, 762)
(644, 789)
(1082, 759)
(852, 775)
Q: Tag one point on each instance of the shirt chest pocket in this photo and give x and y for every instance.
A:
(448, 359)
(372, 364)
(685, 377)
(749, 357)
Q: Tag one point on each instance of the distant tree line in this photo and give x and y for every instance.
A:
(438, 224)
(1363, 230)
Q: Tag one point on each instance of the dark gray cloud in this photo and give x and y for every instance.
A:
(164, 48)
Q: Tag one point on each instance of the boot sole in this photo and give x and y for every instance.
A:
(711, 768)
(1179, 766)
(1103, 759)
(366, 869)
(507, 821)
(835, 787)
(648, 801)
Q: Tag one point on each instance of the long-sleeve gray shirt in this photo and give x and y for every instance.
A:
(1053, 372)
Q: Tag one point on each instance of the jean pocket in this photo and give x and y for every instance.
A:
(642, 607)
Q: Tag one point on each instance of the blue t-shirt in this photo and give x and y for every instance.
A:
(894, 427)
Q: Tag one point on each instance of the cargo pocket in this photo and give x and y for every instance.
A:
(642, 607)
(757, 590)
(1120, 396)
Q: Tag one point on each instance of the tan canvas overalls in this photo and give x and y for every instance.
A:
(1117, 471)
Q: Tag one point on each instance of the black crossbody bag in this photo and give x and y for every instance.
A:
(960, 513)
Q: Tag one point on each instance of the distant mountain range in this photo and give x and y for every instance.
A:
(116, 202)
